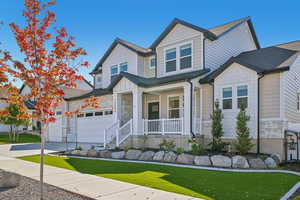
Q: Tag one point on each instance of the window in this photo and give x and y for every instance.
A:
(171, 60)
(298, 101)
(186, 56)
(99, 113)
(108, 112)
(80, 115)
(227, 98)
(123, 67)
(174, 107)
(58, 113)
(99, 79)
(89, 114)
(152, 63)
(114, 70)
(242, 96)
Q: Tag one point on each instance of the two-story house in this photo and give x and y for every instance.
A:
(168, 90)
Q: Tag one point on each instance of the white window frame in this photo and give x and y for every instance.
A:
(121, 64)
(114, 66)
(177, 47)
(181, 106)
(237, 97)
(180, 57)
(232, 97)
(152, 67)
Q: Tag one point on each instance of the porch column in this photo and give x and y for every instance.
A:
(117, 106)
(187, 109)
(137, 108)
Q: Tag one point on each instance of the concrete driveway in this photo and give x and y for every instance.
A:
(17, 150)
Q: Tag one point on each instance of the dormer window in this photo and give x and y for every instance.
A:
(171, 60)
(152, 63)
(123, 67)
(186, 56)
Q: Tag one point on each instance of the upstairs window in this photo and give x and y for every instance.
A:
(227, 98)
(186, 56)
(242, 96)
(114, 70)
(152, 63)
(123, 67)
(171, 60)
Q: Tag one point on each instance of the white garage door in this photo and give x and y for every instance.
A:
(91, 126)
(4, 128)
(55, 129)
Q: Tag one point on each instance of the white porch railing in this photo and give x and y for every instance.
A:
(163, 126)
(124, 132)
(110, 133)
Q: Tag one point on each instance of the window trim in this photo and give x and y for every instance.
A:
(111, 67)
(152, 67)
(232, 97)
(237, 97)
(181, 108)
(181, 57)
(122, 64)
(177, 47)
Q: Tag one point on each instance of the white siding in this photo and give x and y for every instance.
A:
(119, 55)
(291, 85)
(231, 44)
(232, 77)
(180, 35)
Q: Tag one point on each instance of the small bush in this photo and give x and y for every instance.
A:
(79, 148)
(93, 147)
(196, 148)
(126, 148)
(167, 145)
(117, 148)
(179, 150)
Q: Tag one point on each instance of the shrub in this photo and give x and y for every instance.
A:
(196, 148)
(217, 145)
(167, 145)
(243, 142)
(79, 148)
(179, 150)
(93, 147)
(126, 148)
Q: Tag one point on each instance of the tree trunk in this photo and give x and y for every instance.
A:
(43, 132)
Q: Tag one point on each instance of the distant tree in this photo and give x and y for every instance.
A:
(12, 119)
(217, 145)
(243, 141)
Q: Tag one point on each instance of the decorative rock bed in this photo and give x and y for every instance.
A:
(237, 161)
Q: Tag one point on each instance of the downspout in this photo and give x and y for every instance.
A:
(191, 107)
(258, 114)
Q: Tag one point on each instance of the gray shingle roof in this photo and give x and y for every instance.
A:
(143, 82)
(263, 61)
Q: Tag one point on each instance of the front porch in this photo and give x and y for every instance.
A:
(166, 110)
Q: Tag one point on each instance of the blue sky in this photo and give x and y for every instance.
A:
(96, 23)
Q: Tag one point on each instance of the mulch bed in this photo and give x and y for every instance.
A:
(29, 189)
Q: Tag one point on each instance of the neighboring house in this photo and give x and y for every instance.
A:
(168, 90)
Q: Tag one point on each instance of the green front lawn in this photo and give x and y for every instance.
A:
(193, 182)
(23, 138)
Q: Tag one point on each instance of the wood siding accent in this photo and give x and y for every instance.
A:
(207, 101)
(270, 96)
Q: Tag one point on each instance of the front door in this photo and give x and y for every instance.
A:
(153, 110)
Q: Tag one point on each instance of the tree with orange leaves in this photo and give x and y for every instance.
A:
(51, 61)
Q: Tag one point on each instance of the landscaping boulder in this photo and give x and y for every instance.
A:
(133, 154)
(276, 157)
(83, 153)
(271, 163)
(170, 156)
(221, 161)
(147, 155)
(257, 163)
(202, 160)
(105, 154)
(118, 154)
(185, 159)
(9, 179)
(240, 162)
(92, 153)
(159, 156)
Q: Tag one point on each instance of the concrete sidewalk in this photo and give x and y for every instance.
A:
(87, 185)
